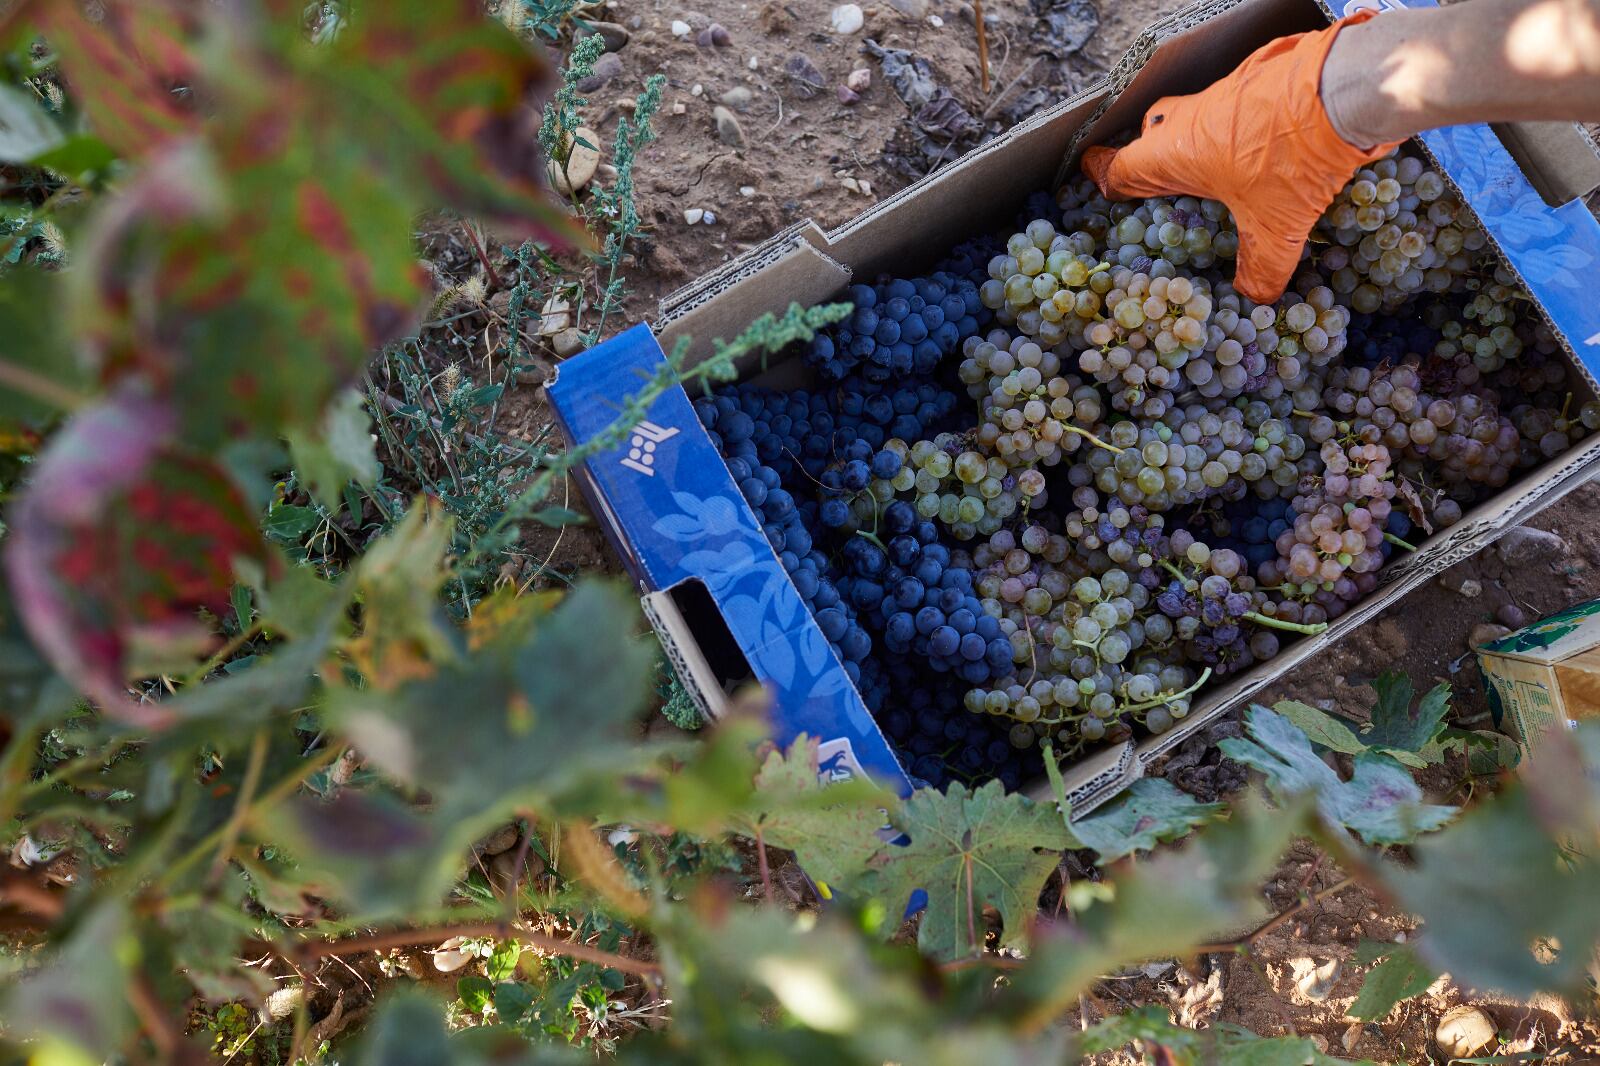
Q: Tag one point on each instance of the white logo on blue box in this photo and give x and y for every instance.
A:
(642, 447)
(836, 761)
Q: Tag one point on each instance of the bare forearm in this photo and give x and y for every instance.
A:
(1479, 61)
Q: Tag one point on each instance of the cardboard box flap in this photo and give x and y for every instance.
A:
(690, 525)
(1579, 678)
(1552, 639)
(1559, 158)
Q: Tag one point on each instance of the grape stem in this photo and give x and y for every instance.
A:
(1302, 414)
(1392, 539)
(873, 537)
(1091, 438)
(1166, 698)
(1310, 629)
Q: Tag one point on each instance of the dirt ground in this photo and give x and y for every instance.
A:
(799, 151)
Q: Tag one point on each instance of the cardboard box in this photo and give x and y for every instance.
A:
(1545, 675)
(711, 584)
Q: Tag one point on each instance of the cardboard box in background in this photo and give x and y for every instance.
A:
(1545, 676)
(716, 593)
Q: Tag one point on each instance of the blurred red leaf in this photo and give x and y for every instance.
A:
(124, 62)
(117, 543)
(451, 97)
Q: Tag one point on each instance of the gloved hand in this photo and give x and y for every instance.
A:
(1260, 141)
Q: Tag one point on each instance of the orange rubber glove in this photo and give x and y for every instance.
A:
(1260, 141)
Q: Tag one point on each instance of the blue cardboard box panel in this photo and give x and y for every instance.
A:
(713, 586)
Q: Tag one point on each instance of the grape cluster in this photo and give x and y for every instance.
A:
(899, 327)
(1049, 491)
(1395, 231)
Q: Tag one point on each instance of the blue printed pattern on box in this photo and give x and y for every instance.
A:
(680, 517)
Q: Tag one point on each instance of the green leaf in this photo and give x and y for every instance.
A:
(969, 850)
(338, 451)
(79, 994)
(512, 999)
(833, 830)
(502, 962)
(1401, 975)
(367, 848)
(32, 344)
(476, 993)
(1151, 812)
(1321, 727)
(26, 129)
(291, 522)
(550, 722)
(558, 516)
(1395, 724)
(1380, 803)
(1505, 903)
(1164, 906)
(1225, 1043)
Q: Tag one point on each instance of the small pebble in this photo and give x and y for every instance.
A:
(747, 190)
(714, 36)
(1525, 546)
(1464, 1031)
(848, 95)
(1511, 615)
(860, 79)
(680, 28)
(1313, 981)
(728, 128)
(739, 98)
(693, 216)
(697, 90)
(913, 9)
(679, 108)
(1486, 633)
(936, 22)
(1471, 588)
(710, 218)
(847, 18)
(567, 342)
(753, 63)
(607, 67)
(448, 957)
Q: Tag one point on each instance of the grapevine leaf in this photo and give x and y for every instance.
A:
(1399, 976)
(448, 95)
(338, 451)
(122, 66)
(1395, 724)
(404, 635)
(1504, 907)
(969, 850)
(116, 546)
(1321, 727)
(79, 995)
(32, 347)
(1190, 1047)
(548, 722)
(1380, 803)
(832, 830)
(1220, 872)
(1151, 812)
(369, 850)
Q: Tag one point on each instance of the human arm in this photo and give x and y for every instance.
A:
(1484, 61)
